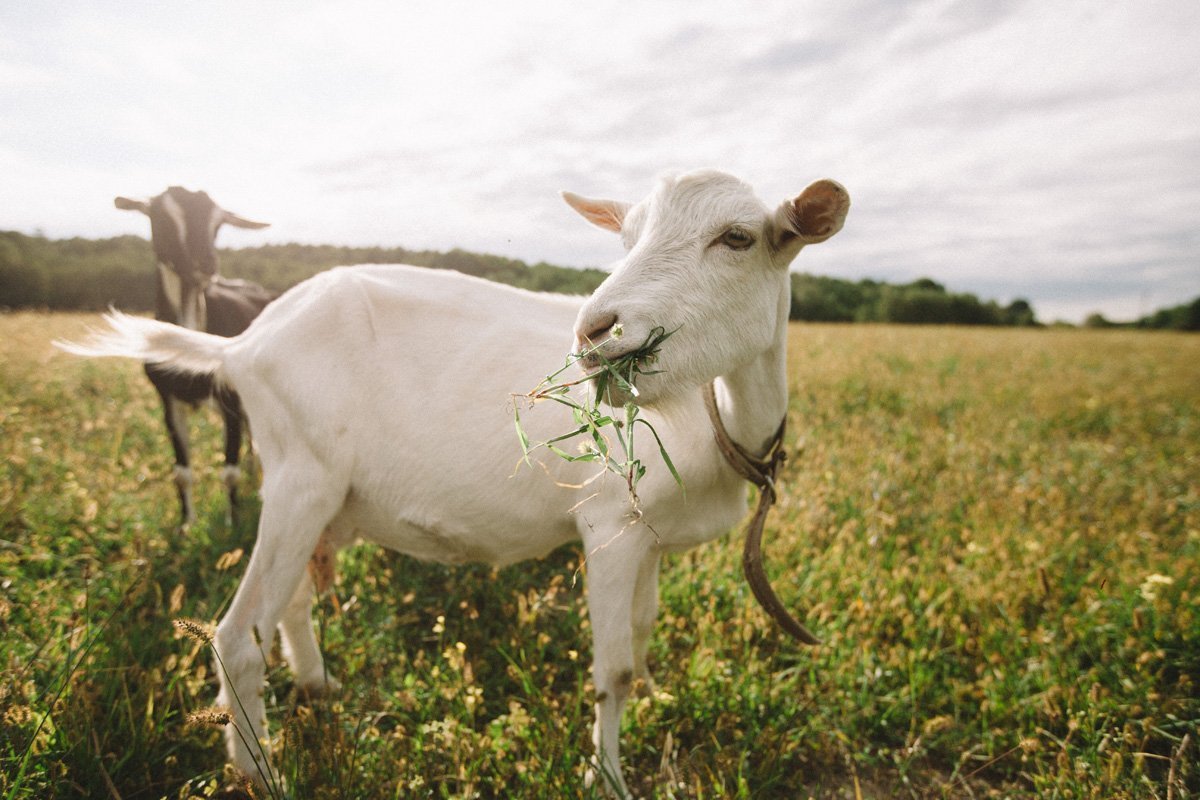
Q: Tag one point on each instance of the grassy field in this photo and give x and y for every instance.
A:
(997, 533)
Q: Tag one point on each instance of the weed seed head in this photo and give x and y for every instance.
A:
(207, 717)
(200, 631)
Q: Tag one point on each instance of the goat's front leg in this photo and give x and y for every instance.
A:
(645, 613)
(177, 430)
(613, 570)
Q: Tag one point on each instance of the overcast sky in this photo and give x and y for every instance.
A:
(1049, 151)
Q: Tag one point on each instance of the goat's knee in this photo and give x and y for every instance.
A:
(612, 691)
(230, 473)
(613, 685)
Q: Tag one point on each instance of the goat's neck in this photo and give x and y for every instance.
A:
(180, 303)
(753, 398)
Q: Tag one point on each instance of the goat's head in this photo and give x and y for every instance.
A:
(183, 230)
(705, 259)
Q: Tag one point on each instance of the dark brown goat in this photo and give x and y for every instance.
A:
(183, 228)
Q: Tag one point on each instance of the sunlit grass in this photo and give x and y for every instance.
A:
(997, 534)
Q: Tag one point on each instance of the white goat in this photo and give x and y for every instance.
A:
(381, 400)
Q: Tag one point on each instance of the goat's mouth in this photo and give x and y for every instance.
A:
(593, 362)
(589, 363)
(615, 375)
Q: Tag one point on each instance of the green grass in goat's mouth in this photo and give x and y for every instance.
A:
(599, 417)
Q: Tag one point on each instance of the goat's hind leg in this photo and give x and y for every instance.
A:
(300, 646)
(297, 504)
(231, 411)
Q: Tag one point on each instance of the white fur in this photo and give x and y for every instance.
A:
(186, 304)
(381, 402)
(183, 477)
(172, 288)
(176, 214)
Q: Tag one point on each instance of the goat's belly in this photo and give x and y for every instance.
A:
(446, 539)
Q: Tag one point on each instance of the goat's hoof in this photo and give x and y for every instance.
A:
(234, 791)
(603, 783)
(239, 784)
(319, 689)
(644, 687)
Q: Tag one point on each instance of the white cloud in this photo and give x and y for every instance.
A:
(1012, 150)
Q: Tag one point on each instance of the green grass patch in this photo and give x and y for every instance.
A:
(997, 533)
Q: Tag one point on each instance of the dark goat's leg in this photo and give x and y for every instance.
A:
(177, 429)
(231, 410)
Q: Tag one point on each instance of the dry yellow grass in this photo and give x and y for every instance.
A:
(997, 532)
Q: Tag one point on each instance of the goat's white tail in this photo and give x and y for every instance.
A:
(170, 346)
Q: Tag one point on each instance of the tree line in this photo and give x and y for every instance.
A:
(821, 299)
(1184, 317)
(91, 274)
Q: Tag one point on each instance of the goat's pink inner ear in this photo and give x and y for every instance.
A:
(819, 211)
(606, 214)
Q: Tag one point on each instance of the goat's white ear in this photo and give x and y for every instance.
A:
(817, 214)
(130, 204)
(233, 219)
(607, 214)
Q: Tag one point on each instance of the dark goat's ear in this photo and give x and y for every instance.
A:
(130, 204)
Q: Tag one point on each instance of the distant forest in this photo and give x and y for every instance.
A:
(91, 274)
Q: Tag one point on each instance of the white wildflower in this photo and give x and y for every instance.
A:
(1149, 588)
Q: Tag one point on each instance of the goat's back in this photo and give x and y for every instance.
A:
(400, 381)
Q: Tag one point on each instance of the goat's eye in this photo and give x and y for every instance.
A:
(736, 239)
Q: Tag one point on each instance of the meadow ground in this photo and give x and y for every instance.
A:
(997, 533)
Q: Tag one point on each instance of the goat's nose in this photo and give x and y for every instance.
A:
(591, 331)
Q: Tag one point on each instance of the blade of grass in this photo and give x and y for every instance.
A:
(71, 666)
